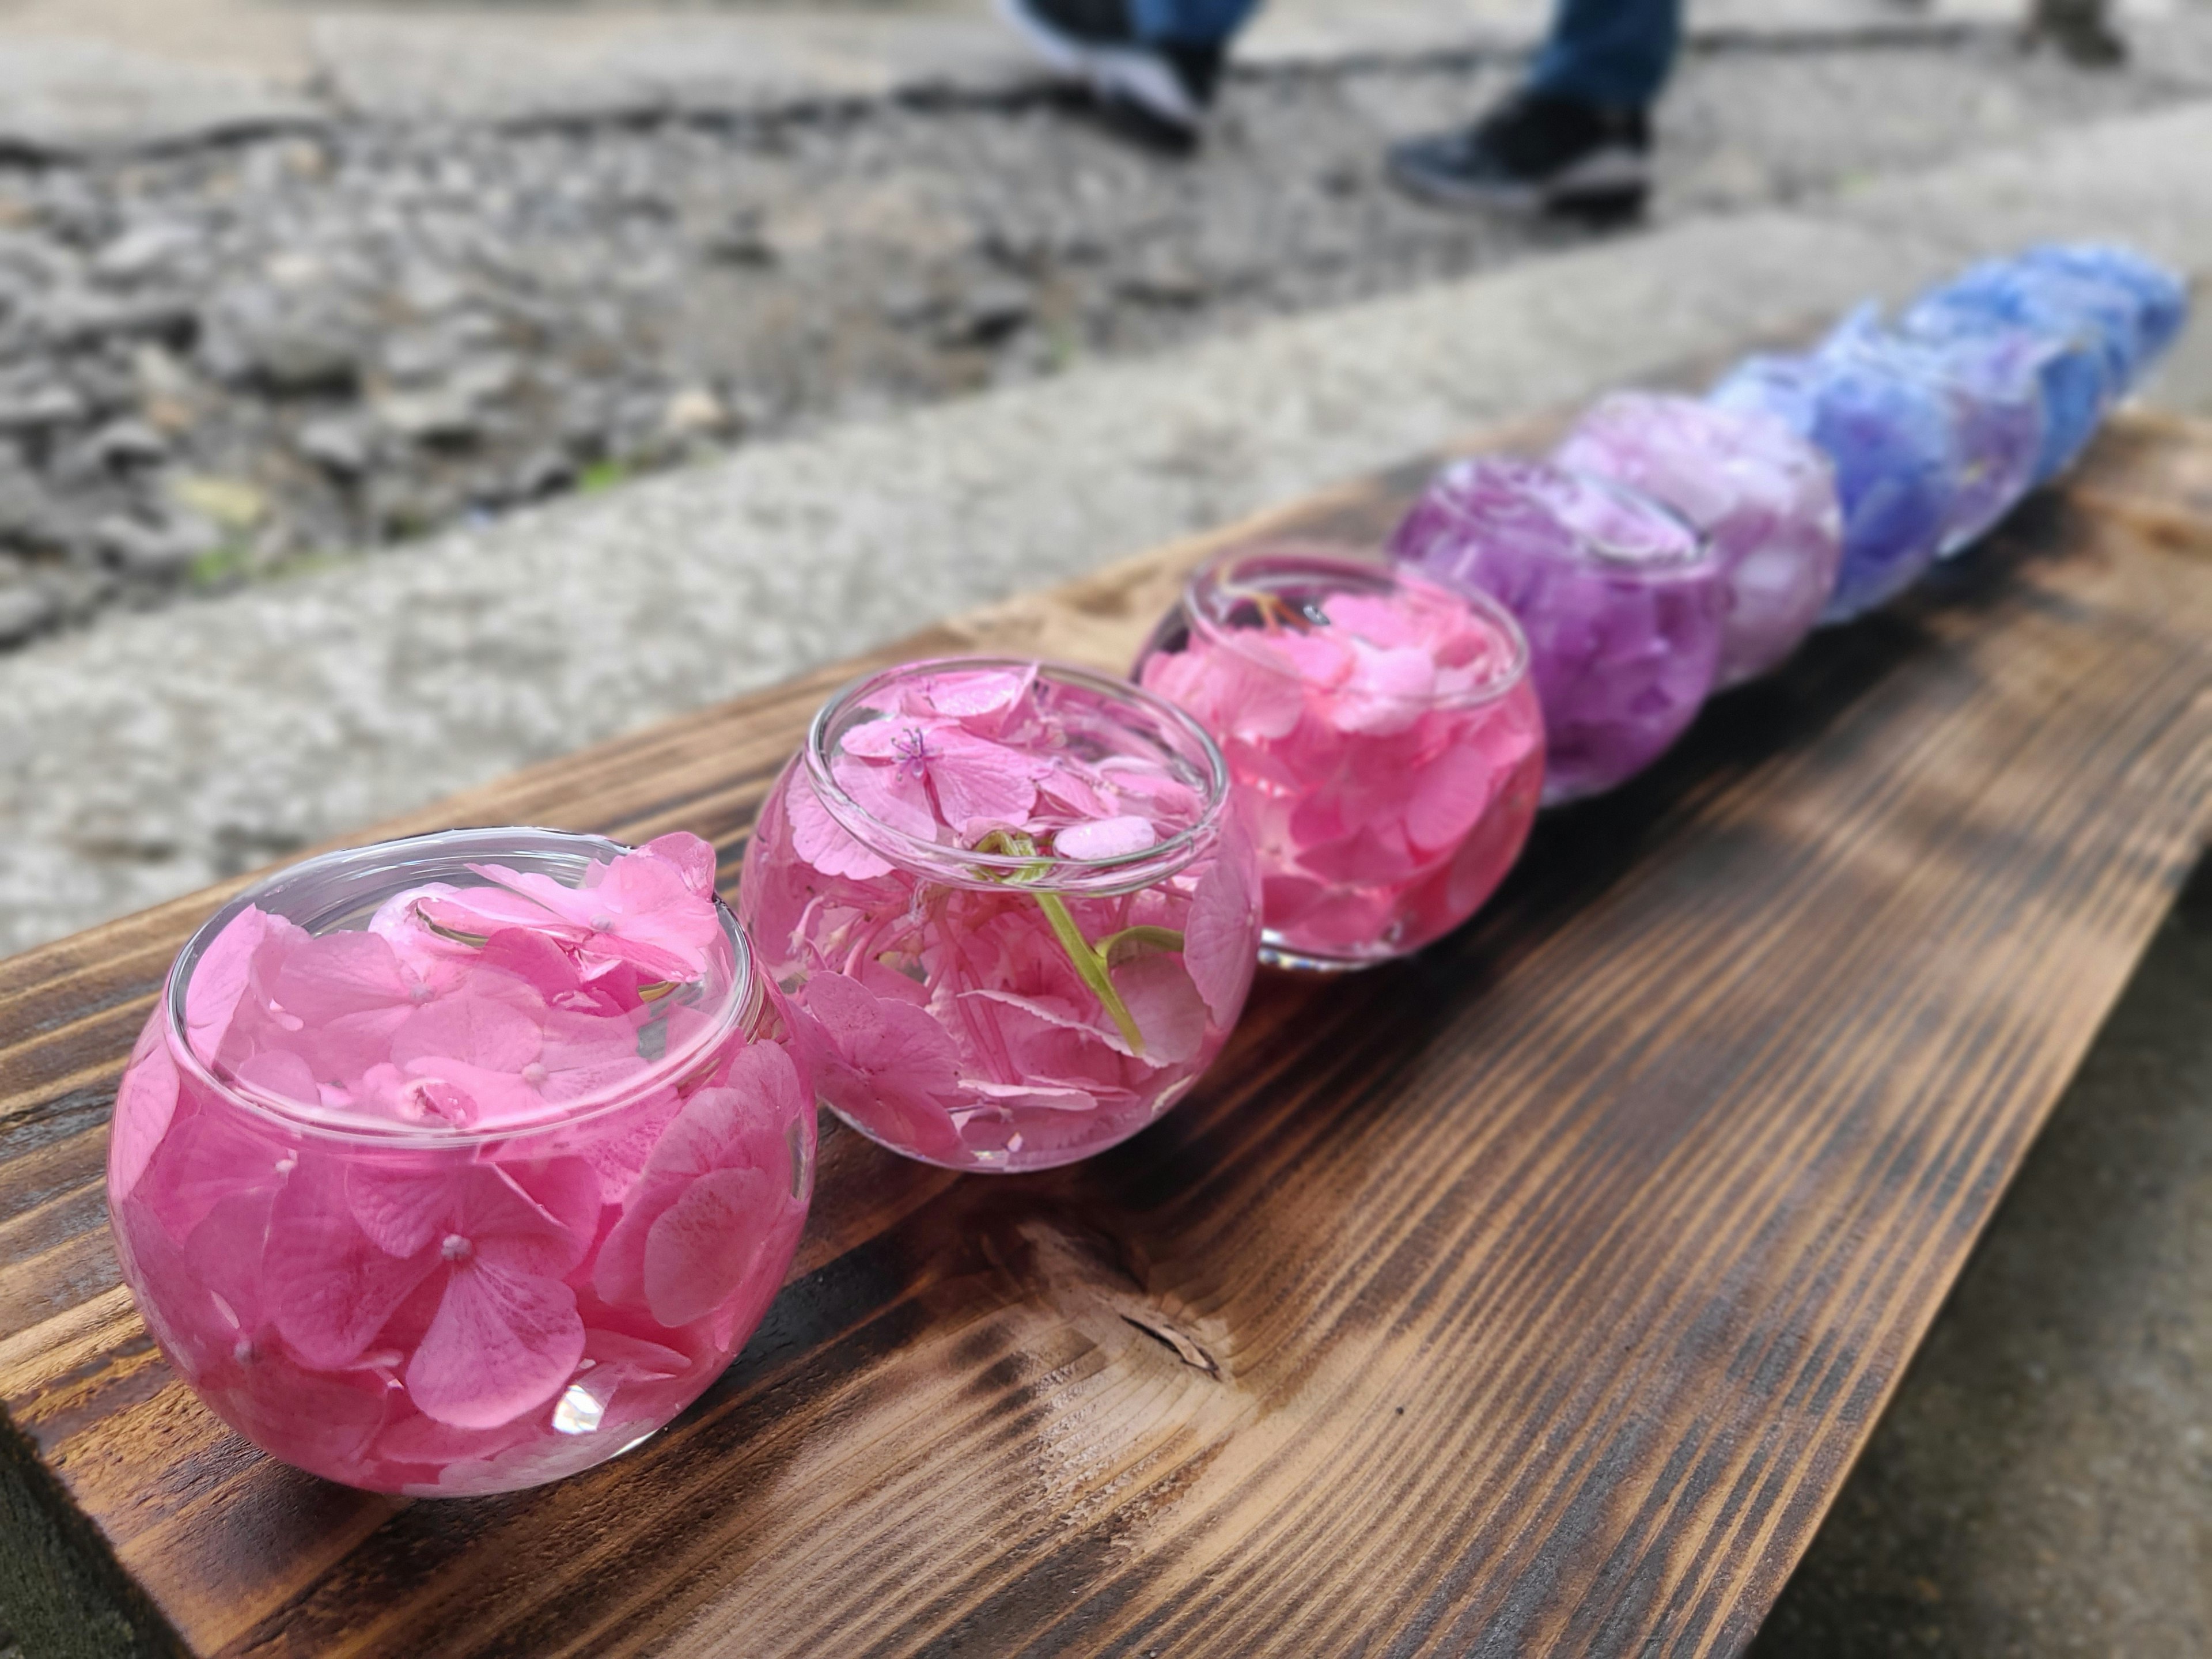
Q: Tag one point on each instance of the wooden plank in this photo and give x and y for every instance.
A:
(1533, 1295)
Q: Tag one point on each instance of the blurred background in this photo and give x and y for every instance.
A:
(392, 395)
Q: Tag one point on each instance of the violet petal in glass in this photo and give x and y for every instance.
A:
(1890, 440)
(2161, 294)
(1763, 497)
(1620, 601)
(1989, 383)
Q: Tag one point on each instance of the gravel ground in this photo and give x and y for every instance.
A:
(251, 358)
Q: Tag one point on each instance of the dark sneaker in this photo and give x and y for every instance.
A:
(1092, 41)
(1534, 153)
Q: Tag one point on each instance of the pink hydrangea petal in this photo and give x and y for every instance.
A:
(1220, 946)
(416, 1438)
(402, 1211)
(554, 898)
(621, 1359)
(619, 1272)
(870, 1054)
(534, 958)
(1106, 838)
(1384, 621)
(894, 738)
(567, 1191)
(979, 783)
(207, 1156)
(650, 901)
(145, 1104)
(1320, 660)
(279, 1075)
(480, 912)
(1035, 1096)
(888, 794)
(702, 1248)
(1168, 1011)
(741, 1121)
(219, 979)
(1386, 692)
(821, 840)
(503, 1221)
(477, 1025)
(693, 859)
(965, 694)
(327, 1417)
(501, 1344)
(1450, 793)
(325, 978)
(330, 1288)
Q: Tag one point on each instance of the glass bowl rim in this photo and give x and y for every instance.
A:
(929, 859)
(1701, 560)
(1338, 559)
(739, 1007)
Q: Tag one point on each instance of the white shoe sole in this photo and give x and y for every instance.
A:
(1141, 77)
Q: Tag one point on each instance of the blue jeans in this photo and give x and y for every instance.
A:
(1616, 54)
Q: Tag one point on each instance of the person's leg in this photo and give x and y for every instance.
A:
(1614, 54)
(1192, 23)
(1576, 134)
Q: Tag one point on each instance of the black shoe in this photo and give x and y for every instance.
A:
(1534, 153)
(1170, 82)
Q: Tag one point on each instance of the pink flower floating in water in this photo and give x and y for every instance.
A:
(1013, 915)
(1383, 735)
(476, 1194)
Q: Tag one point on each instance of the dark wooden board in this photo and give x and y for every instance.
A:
(1534, 1295)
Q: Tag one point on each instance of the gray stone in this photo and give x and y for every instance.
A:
(150, 249)
(128, 443)
(24, 610)
(990, 309)
(29, 515)
(254, 336)
(438, 414)
(33, 406)
(156, 551)
(340, 443)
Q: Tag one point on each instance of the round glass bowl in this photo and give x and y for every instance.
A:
(1621, 600)
(1383, 734)
(458, 1165)
(1762, 496)
(2161, 296)
(1012, 904)
(1989, 386)
(2080, 368)
(1890, 437)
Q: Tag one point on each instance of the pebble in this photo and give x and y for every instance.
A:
(25, 610)
(167, 549)
(128, 443)
(339, 442)
(145, 249)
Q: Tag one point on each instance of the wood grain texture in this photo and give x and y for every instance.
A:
(1531, 1296)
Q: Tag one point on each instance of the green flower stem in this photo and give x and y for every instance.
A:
(1093, 964)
